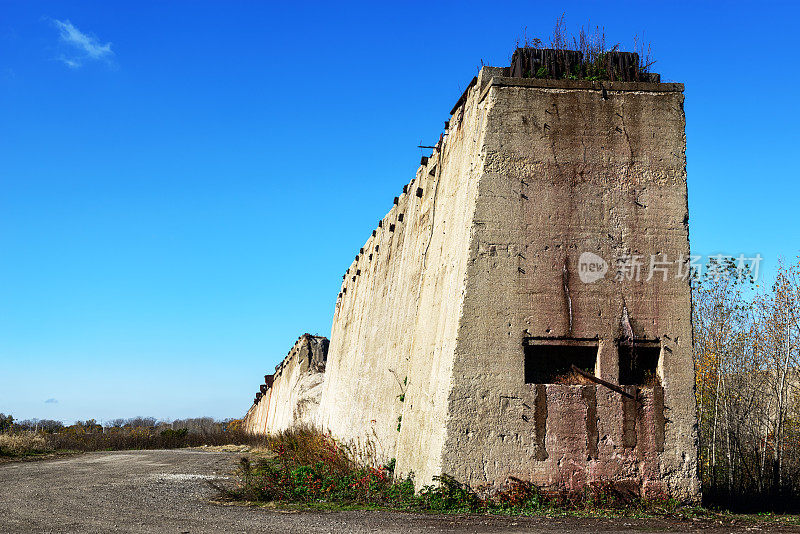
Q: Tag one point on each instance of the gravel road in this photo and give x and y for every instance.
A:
(165, 491)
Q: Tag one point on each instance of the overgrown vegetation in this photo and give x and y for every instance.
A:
(36, 437)
(303, 467)
(747, 363)
(597, 55)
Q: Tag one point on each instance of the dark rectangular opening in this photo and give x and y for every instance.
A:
(638, 363)
(551, 363)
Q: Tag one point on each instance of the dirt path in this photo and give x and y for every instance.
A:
(165, 491)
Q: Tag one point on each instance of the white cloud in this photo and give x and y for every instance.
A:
(71, 63)
(82, 46)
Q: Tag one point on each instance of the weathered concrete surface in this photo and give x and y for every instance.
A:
(396, 320)
(291, 396)
(477, 261)
(568, 170)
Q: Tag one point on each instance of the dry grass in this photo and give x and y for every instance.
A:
(20, 443)
(144, 438)
(230, 448)
(572, 378)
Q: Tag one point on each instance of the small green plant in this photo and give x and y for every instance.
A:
(399, 422)
(403, 386)
(450, 495)
(390, 465)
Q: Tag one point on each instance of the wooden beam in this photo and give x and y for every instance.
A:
(609, 385)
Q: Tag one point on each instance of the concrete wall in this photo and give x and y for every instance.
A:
(396, 318)
(478, 259)
(571, 167)
(291, 396)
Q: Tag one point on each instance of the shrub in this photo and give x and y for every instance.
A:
(516, 495)
(306, 466)
(450, 495)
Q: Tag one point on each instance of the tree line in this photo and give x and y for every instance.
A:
(747, 370)
(195, 425)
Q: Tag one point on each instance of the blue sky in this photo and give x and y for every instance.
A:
(182, 184)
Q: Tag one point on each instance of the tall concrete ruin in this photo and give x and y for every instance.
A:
(291, 395)
(489, 328)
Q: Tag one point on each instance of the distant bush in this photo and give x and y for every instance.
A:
(144, 438)
(38, 425)
(176, 434)
(35, 436)
(6, 422)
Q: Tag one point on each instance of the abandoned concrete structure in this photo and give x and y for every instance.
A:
(291, 395)
(520, 310)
